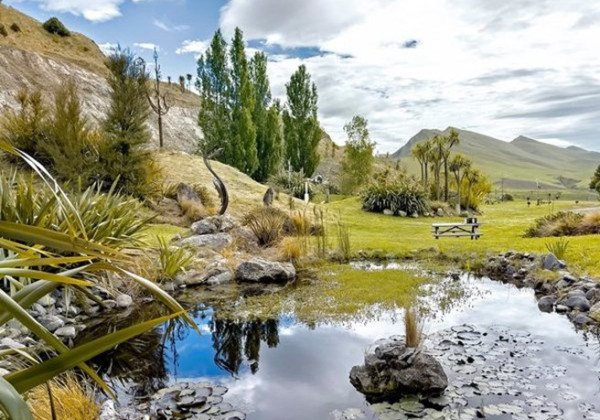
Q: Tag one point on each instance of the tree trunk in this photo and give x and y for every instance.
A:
(426, 172)
(437, 182)
(446, 183)
(458, 192)
(160, 130)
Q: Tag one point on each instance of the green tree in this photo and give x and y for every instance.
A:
(214, 82)
(357, 163)
(301, 127)
(418, 151)
(267, 120)
(242, 97)
(436, 157)
(595, 182)
(451, 140)
(459, 166)
(124, 155)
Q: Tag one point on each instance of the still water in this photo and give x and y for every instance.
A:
(281, 369)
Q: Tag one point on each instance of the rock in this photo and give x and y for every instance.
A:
(402, 213)
(562, 285)
(581, 320)
(577, 302)
(415, 215)
(47, 301)
(561, 308)
(124, 301)
(391, 369)
(594, 312)
(546, 304)
(216, 241)
(261, 270)
(108, 411)
(569, 278)
(550, 262)
(10, 343)
(204, 227)
(593, 295)
(109, 304)
(39, 309)
(66, 332)
(388, 212)
(440, 212)
(51, 322)
(223, 277)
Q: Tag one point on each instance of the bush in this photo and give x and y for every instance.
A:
(557, 224)
(293, 183)
(169, 190)
(109, 219)
(292, 248)
(267, 224)
(558, 248)
(396, 193)
(15, 28)
(3, 30)
(171, 260)
(55, 26)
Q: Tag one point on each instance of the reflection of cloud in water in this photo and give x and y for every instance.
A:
(305, 373)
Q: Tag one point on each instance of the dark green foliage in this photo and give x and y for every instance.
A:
(595, 182)
(267, 224)
(267, 120)
(396, 193)
(3, 30)
(301, 127)
(15, 28)
(124, 156)
(26, 127)
(55, 26)
(70, 147)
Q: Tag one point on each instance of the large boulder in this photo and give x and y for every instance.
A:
(595, 312)
(216, 241)
(550, 262)
(391, 370)
(577, 302)
(261, 270)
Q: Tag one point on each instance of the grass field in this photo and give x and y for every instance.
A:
(503, 228)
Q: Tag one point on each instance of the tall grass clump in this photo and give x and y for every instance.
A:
(171, 261)
(292, 248)
(563, 224)
(558, 248)
(396, 192)
(413, 327)
(267, 224)
(71, 400)
(344, 246)
(320, 232)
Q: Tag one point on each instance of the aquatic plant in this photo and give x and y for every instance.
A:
(171, 260)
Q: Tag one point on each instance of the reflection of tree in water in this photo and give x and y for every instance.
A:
(233, 341)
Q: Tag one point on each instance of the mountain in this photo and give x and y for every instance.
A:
(523, 163)
(31, 58)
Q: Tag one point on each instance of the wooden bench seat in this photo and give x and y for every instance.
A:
(456, 230)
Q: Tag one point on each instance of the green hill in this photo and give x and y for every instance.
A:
(522, 164)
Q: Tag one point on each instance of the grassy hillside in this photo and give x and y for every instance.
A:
(523, 163)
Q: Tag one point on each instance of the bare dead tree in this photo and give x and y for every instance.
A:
(158, 101)
(217, 182)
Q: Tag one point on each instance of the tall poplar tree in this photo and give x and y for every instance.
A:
(358, 159)
(301, 127)
(243, 133)
(215, 83)
(267, 120)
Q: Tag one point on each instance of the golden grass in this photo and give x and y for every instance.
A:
(503, 226)
(292, 248)
(72, 400)
(193, 210)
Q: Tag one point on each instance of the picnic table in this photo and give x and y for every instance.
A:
(467, 228)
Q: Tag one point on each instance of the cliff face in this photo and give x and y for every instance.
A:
(21, 69)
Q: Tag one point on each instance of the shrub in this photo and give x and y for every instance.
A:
(590, 224)
(558, 248)
(556, 224)
(267, 224)
(292, 248)
(171, 260)
(169, 190)
(72, 400)
(397, 193)
(3, 30)
(344, 241)
(55, 26)
(292, 183)
(15, 28)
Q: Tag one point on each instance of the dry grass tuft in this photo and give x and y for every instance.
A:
(72, 400)
(301, 223)
(413, 327)
(267, 224)
(193, 210)
(292, 248)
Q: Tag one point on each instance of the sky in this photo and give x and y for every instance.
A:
(503, 68)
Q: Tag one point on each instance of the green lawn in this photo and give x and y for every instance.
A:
(503, 227)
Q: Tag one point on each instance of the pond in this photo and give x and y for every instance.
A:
(504, 358)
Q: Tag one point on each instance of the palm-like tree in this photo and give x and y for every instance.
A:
(436, 156)
(450, 141)
(472, 176)
(458, 166)
(418, 152)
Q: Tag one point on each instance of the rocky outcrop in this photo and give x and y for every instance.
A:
(391, 370)
(260, 270)
(21, 69)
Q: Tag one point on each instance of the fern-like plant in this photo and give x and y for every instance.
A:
(171, 260)
(558, 248)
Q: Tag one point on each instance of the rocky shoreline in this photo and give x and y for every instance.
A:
(566, 293)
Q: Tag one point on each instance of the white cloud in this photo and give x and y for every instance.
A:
(146, 46)
(108, 48)
(169, 28)
(192, 46)
(482, 66)
(95, 11)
